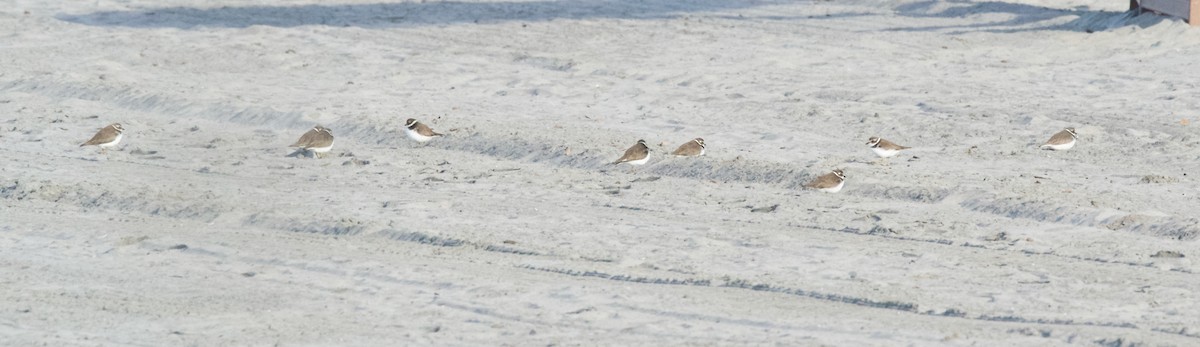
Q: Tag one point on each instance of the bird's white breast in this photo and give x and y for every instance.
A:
(639, 161)
(884, 153)
(834, 189)
(322, 149)
(1061, 147)
(113, 143)
(415, 136)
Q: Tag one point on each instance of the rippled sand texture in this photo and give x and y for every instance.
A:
(204, 228)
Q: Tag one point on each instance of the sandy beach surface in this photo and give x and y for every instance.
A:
(202, 228)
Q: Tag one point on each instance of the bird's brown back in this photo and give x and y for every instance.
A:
(885, 144)
(314, 138)
(423, 129)
(1062, 137)
(691, 148)
(637, 152)
(828, 180)
(105, 135)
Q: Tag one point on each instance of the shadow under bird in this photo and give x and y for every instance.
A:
(1061, 141)
(418, 131)
(884, 148)
(637, 155)
(690, 149)
(108, 136)
(318, 140)
(830, 183)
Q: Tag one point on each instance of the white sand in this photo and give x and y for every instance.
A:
(513, 230)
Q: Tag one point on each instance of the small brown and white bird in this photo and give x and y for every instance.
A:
(108, 136)
(690, 149)
(830, 183)
(637, 155)
(884, 148)
(1061, 141)
(418, 131)
(318, 140)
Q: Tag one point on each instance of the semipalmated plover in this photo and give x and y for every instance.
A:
(318, 140)
(637, 155)
(830, 183)
(418, 131)
(884, 148)
(1061, 141)
(690, 149)
(108, 136)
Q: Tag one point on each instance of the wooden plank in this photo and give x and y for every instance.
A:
(1194, 16)
(1174, 8)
